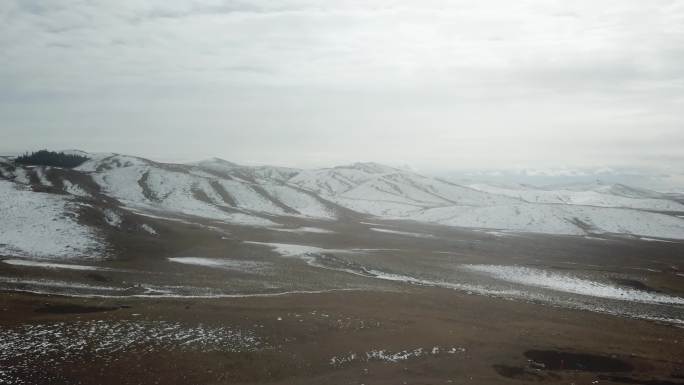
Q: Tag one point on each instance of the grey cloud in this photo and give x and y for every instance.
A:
(434, 83)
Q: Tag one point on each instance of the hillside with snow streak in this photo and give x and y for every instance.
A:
(601, 195)
(43, 225)
(398, 194)
(265, 196)
(216, 190)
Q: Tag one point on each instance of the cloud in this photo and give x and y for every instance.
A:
(438, 83)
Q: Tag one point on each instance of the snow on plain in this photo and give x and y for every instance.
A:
(656, 240)
(570, 284)
(148, 229)
(316, 230)
(392, 357)
(48, 286)
(290, 250)
(224, 263)
(80, 290)
(464, 287)
(24, 349)
(311, 255)
(417, 235)
(528, 295)
(50, 265)
(42, 225)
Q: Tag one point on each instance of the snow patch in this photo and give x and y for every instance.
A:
(603, 196)
(112, 218)
(290, 250)
(42, 178)
(656, 240)
(305, 230)
(557, 219)
(26, 348)
(228, 264)
(75, 189)
(148, 229)
(569, 284)
(49, 265)
(393, 357)
(418, 235)
(21, 176)
(42, 225)
(51, 286)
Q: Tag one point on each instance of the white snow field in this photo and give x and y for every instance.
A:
(587, 195)
(570, 284)
(305, 229)
(290, 250)
(42, 225)
(417, 235)
(224, 263)
(557, 219)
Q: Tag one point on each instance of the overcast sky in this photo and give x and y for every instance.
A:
(433, 84)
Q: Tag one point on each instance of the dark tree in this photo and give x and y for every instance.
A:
(51, 158)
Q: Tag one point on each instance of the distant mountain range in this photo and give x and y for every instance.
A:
(38, 201)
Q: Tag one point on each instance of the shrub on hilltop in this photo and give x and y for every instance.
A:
(51, 158)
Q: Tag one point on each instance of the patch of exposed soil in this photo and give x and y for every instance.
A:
(73, 309)
(557, 360)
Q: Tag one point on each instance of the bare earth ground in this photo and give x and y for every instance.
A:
(350, 327)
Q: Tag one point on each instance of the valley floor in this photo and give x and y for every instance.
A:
(418, 336)
(321, 302)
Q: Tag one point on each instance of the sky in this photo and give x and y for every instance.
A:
(439, 85)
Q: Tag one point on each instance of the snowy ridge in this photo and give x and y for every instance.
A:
(557, 219)
(398, 194)
(591, 195)
(223, 191)
(187, 190)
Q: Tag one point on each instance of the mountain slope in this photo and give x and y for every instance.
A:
(43, 225)
(110, 185)
(588, 195)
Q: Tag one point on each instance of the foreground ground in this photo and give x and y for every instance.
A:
(346, 303)
(417, 336)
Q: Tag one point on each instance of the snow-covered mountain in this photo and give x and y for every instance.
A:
(214, 189)
(388, 192)
(218, 190)
(595, 194)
